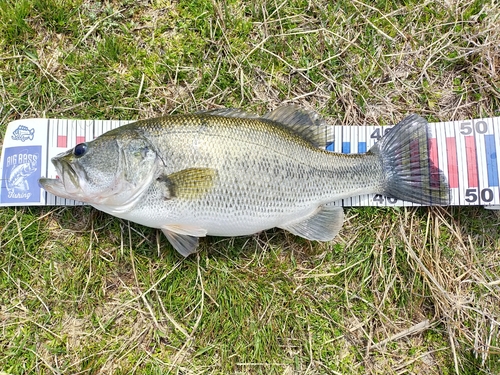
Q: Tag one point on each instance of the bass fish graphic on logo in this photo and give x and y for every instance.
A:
(21, 171)
(22, 133)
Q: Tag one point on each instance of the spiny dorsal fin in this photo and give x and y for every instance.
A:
(191, 183)
(307, 124)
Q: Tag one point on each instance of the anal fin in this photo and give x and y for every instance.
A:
(323, 225)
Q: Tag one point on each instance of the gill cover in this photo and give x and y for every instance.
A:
(136, 170)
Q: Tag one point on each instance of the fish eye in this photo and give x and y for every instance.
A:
(80, 150)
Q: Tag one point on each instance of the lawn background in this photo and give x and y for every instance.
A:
(400, 291)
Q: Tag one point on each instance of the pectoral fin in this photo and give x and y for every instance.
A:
(323, 225)
(188, 183)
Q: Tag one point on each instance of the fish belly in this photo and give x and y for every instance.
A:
(224, 223)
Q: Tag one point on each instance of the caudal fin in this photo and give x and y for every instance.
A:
(410, 173)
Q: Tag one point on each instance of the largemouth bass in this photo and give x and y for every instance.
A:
(230, 173)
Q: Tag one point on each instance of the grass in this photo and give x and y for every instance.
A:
(399, 291)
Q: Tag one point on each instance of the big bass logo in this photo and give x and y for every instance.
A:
(21, 171)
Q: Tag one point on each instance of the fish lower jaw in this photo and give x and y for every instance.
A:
(55, 186)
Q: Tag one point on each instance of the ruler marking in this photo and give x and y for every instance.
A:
(346, 149)
(471, 158)
(71, 133)
(481, 127)
(374, 132)
(463, 173)
(61, 136)
(47, 142)
(53, 124)
(487, 163)
(71, 129)
(451, 147)
(362, 147)
(80, 132)
(364, 199)
(491, 159)
(452, 161)
(62, 141)
(337, 147)
(495, 127)
(88, 130)
(354, 149)
(327, 139)
(55, 134)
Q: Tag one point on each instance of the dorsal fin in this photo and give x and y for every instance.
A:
(307, 124)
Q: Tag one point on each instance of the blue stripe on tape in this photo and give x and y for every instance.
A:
(346, 147)
(491, 160)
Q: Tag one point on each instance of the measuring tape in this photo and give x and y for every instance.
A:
(466, 151)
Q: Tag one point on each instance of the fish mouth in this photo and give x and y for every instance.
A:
(67, 185)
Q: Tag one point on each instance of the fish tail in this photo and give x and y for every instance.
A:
(409, 171)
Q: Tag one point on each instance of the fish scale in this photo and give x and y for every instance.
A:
(301, 174)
